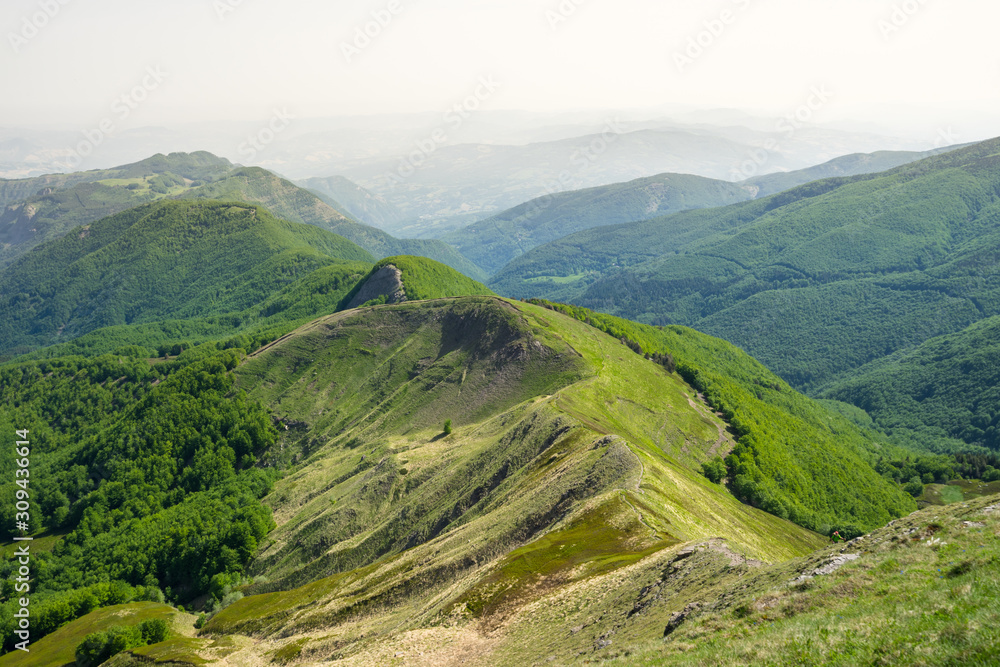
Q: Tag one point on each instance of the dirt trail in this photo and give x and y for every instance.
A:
(654, 533)
(706, 411)
(638, 490)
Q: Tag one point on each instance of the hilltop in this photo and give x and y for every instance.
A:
(399, 279)
(36, 210)
(290, 202)
(167, 260)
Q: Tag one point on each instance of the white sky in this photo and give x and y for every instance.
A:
(607, 54)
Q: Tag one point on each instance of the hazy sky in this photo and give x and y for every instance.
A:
(240, 59)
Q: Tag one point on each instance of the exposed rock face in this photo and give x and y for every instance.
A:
(387, 281)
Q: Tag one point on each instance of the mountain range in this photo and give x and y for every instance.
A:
(496, 241)
(334, 445)
(47, 207)
(815, 281)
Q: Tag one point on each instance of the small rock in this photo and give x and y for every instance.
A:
(973, 524)
(830, 567)
(675, 622)
(677, 619)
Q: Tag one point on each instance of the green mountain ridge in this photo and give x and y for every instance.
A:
(232, 408)
(288, 201)
(41, 209)
(159, 261)
(815, 281)
(199, 165)
(567, 477)
(496, 241)
(856, 164)
(63, 202)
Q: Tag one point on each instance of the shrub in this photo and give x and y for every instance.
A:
(447, 427)
(915, 487)
(154, 631)
(714, 470)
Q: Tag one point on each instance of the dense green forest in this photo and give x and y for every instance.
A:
(147, 473)
(943, 396)
(816, 281)
(319, 292)
(163, 260)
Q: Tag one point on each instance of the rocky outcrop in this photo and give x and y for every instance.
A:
(387, 282)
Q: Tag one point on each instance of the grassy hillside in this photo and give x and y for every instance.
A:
(434, 469)
(58, 649)
(164, 260)
(563, 493)
(794, 456)
(559, 433)
(494, 242)
(815, 281)
(290, 202)
(920, 592)
(943, 395)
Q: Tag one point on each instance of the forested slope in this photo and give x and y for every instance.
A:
(815, 281)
